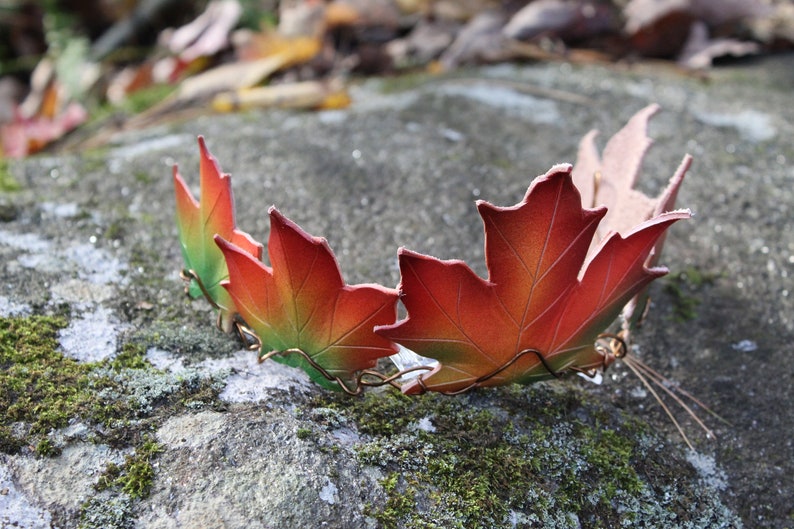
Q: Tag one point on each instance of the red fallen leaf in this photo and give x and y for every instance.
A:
(25, 136)
(538, 313)
(303, 303)
(198, 223)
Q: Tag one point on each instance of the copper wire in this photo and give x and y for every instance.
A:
(610, 345)
(188, 275)
(358, 381)
(480, 380)
(248, 336)
(615, 346)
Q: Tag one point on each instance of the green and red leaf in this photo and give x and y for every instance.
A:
(541, 309)
(199, 222)
(303, 303)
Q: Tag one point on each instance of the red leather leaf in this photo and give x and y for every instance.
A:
(533, 317)
(303, 303)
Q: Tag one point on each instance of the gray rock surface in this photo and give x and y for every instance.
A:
(92, 235)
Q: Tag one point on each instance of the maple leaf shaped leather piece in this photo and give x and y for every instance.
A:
(303, 303)
(538, 301)
(608, 179)
(199, 222)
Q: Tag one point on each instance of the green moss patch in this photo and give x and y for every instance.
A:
(684, 289)
(121, 399)
(43, 389)
(136, 475)
(7, 181)
(514, 457)
(136, 103)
